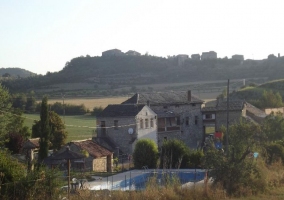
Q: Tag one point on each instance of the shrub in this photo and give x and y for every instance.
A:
(145, 154)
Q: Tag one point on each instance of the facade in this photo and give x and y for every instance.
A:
(209, 55)
(113, 52)
(195, 57)
(238, 57)
(181, 58)
(99, 159)
(120, 126)
(132, 53)
(216, 116)
(178, 113)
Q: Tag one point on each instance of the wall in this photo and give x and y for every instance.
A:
(121, 136)
(234, 117)
(100, 164)
(268, 111)
(192, 133)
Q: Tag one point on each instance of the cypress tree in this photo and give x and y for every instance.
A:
(44, 130)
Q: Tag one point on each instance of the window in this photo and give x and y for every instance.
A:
(209, 116)
(165, 107)
(193, 104)
(152, 123)
(141, 124)
(187, 121)
(146, 123)
(196, 120)
(115, 124)
(165, 138)
(178, 121)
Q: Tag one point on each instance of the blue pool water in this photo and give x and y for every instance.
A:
(162, 178)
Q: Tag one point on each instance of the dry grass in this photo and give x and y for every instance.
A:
(90, 103)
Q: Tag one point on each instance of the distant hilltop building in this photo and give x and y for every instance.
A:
(209, 55)
(238, 57)
(132, 53)
(181, 58)
(117, 52)
(195, 57)
(112, 52)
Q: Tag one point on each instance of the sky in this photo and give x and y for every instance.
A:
(41, 36)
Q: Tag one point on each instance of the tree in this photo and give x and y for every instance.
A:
(273, 127)
(270, 99)
(5, 114)
(173, 153)
(44, 130)
(236, 169)
(145, 154)
(58, 134)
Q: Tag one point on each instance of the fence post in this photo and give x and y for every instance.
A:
(130, 180)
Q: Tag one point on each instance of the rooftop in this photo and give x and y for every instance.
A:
(156, 98)
(121, 110)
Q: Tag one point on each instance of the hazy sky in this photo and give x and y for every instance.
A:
(42, 36)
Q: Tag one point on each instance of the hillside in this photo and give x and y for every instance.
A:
(124, 74)
(253, 93)
(16, 72)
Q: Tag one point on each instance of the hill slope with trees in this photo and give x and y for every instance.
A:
(113, 72)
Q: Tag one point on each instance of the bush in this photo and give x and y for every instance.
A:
(174, 154)
(145, 154)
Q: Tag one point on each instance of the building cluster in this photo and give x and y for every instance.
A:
(156, 116)
(181, 58)
(167, 115)
(117, 52)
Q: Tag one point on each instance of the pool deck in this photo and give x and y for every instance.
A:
(102, 183)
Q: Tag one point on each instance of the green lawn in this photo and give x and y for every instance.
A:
(78, 126)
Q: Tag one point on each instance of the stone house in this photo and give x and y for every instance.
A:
(195, 57)
(178, 115)
(99, 159)
(113, 52)
(120, 126)
(215, 116)
(238, 57)
(30, 148)
(181, 58)
(209, 55)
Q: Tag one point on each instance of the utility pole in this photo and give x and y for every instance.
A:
(227, 135)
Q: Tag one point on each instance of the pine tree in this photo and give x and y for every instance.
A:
(44, 130)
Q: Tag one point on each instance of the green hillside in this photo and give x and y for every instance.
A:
(254, 93)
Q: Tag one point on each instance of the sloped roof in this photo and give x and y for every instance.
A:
(256, 111)
(156, 98)
(121, 110)
(94, 149)
(32, 143)
(234, 105)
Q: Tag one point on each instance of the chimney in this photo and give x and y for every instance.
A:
(189, 95)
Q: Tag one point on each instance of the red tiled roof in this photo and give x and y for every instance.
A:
(93, 148)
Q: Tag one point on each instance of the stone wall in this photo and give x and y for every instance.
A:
(121, 136)
(234, 117)
(100, 164)
(190, 133)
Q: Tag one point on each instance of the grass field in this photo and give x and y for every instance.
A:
(79, 126)
(90, 103)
